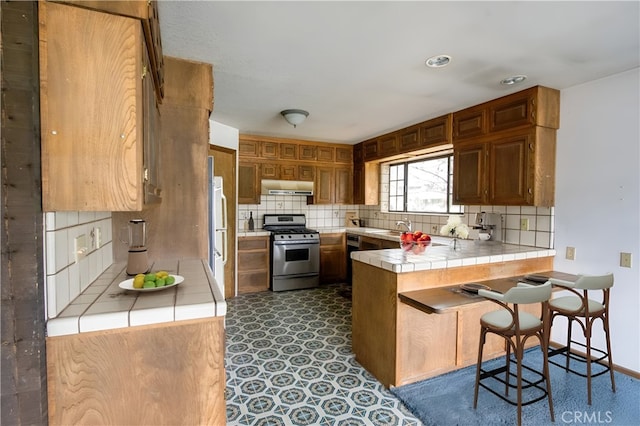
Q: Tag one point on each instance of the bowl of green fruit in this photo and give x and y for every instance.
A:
(153, 281)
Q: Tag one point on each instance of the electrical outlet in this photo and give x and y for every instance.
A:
(243, 215)
(434, 229)
(570, 253)
(524, 224)
(80, 248)
(625, 260)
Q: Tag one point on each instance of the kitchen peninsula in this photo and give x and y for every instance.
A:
(116, 356)
(399, 344)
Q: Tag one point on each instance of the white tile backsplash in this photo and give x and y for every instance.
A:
(66, 279)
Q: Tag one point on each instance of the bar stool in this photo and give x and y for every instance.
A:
(516, 327)
(585, 311)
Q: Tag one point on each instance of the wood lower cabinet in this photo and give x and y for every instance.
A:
(333, 258)
(253, 264)
(139, 375)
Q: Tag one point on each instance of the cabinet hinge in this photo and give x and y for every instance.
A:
(531, 146)
(146, 175)
(144, 72)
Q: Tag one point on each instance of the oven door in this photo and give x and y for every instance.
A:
(291, 258)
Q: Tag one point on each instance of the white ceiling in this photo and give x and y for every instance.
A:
(358, 67)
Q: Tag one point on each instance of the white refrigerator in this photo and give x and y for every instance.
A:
(218, 253)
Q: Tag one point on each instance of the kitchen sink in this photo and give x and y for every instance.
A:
(392, 233)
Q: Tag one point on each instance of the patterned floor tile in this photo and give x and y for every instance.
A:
(289, 362)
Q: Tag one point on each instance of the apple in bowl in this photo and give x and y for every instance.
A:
(415, 242)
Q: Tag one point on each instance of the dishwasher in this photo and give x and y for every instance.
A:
(353, 244)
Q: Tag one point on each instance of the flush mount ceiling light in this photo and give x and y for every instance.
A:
(438, 61)
(510, 81)
(294, 116)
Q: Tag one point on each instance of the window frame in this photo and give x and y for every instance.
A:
(451, 207)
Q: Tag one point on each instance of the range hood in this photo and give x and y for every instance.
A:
(286, 187)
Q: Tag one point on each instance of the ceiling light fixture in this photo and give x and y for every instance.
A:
(438, 61)
(510, 81)
(294, 116)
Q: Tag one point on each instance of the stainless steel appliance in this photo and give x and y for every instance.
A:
(353, 244)
(295, 252)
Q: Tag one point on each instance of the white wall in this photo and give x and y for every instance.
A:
(597, 199)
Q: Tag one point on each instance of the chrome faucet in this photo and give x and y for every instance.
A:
(406, 222)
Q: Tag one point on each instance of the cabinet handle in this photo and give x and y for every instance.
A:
(146, 175)
(144, 72)
(530, 191)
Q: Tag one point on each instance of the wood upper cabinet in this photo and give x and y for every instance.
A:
(537, 106)
(269, 171)
(469, 174)
(306, 173)
(151, 151)
(269, 150)
(94, 163)
(343, 185)
(470, 122)
(409, 139)
(253, 264)
(288, 172)
(248, 183)
(333, 258)
(248, 148)
(370, 149)
(436, 131)
(147, 12)
(307, 152)
(358, 183)
(388, 145)
(333, 185)
(358, 153)
(344, 155)
(288, 151)
(326, 154)
(515, 169)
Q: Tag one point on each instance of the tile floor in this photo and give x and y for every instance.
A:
(289, 362)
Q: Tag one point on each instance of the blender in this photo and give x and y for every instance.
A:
(138, 261)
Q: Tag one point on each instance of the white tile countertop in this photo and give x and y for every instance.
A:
(440, 255)
(103, 305)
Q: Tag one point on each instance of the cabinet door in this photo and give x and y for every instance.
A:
(469, 123)
(269, 150)
(436, 132)
(333, 264)
(510, 176)
(409, 139)
(343, 185)
(358, 183)
(511, 112)
(358, 153)
(248, 183)
(288, 151)
(326, 154)
(92, 152)
(248, 148)
(370, 149)
(269, 171)
(151, 137)
(324, 186)
(307, 152)
(468, 174)
(344, 155)
(253, 264)
(306, 173)
(289, 171)
(388, 145)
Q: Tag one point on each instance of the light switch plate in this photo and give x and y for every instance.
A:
(524, 224)
(625, 260)
(571, 253)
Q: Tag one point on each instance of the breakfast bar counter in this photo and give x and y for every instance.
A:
(400, 344)
(117, 356)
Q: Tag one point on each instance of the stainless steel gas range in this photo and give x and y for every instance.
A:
(295, 252)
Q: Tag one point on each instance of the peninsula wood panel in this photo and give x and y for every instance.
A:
(162, 374)
(385, 332)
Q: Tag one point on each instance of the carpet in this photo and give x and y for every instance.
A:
(447, 400)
